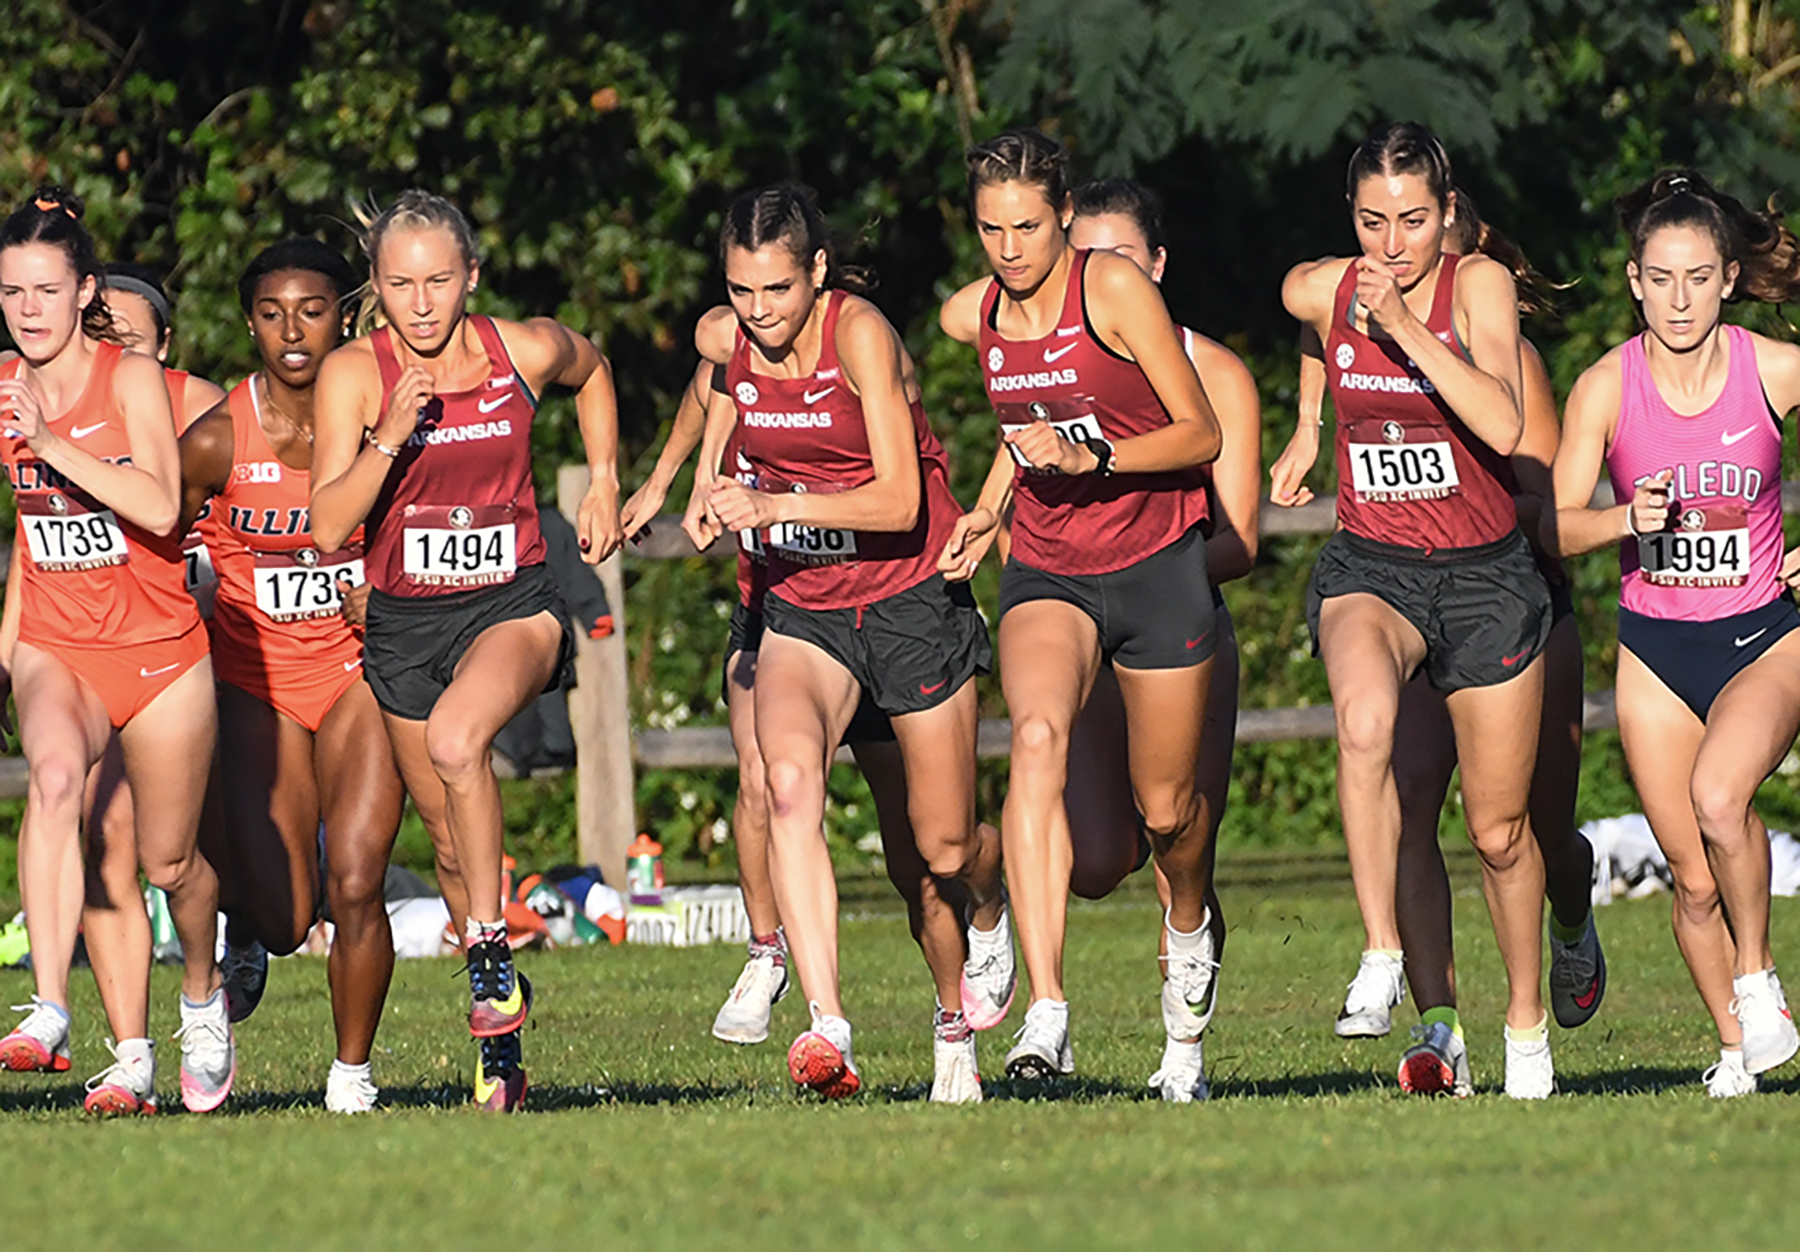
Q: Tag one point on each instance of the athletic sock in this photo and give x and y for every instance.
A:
(55, 1008)
(206, 1003)
(1531, 1034)
(1567, 934)
(1397, 954)
(1187, 941)
(773, 945)
(353, 1071)
(484, 932)
(1445, 1014)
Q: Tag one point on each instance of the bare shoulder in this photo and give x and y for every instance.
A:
(1219, 366)
(1309, 288)
(1111, 276)
(861, 326)
(1778, 364)
(351, 367)
(715, 335)
(1481, 279)
(961, 315)
(210, 436)
(1600, 387)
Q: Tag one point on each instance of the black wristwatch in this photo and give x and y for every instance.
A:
(1103, 453)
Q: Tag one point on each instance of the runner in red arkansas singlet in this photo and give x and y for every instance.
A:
(424, 433)
(1428, 570)
(851, 505)
(1104, 425)
(1687, 419)
(303, 740)
(107, 643)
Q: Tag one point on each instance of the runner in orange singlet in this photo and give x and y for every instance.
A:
(101, 640)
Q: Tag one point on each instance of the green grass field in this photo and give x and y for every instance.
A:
(645, 1133)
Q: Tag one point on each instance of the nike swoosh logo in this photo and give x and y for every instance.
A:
(350, 666)
(513, 1003)
(813, 397)
(1727, 438)
(933, 689)
(1515, 658)
(1593, 993)
(82, 432)
(152, 673)
(1749, 639)
(1051, 357)
(488, 406)
(1194, 643)
(485, 1087)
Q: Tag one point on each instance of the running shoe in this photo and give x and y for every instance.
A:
(744, 1017)
(126, 1086)
(1762, 1013)
(500, 1082)
(208, 1053)
(989, 976)
(1042, 1050)
(499, 996)
(245, 970)
(1182, 1077)
(40, 1042)
(1577, 977)
(1438, 1064)
(1529, 1073)
(821, 1059)
(955, 1078)
(1190, 989)
(1378, 988)
(349, 1089)
(1728, 1079)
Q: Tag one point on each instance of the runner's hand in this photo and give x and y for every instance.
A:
(23, 415)
(643, 506)
(1048, 452)
(1649, 509)
(1790, 568)
(356, 601)
(414, 389)
(1287, 477)
(597, 522)
(1378, 292)
(970, 539)
(697, 521)
(737, 507)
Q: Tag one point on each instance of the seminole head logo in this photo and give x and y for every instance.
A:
(1693, 519)
(308, 557)
(1392, 432)
(461, 518)
(747, 393)
(1346, 356)
(57, 505)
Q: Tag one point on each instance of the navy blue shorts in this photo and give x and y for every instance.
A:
(1696, 659)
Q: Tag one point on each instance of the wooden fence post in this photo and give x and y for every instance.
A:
(600, 712)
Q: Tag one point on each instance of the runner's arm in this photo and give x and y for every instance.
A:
(1237, 474)
(207, 450)
(1588, 421)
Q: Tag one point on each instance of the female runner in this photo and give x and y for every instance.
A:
(1686, 417)
(1425, 757)
(1428, 568)
(1118, 215)
(302, 735)
(423, 434)
(101, 641)
(853, 503)
(1104, 425)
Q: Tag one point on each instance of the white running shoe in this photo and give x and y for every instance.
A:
(1529, 1073)
(1762, 1013)
(208, 1053)
(1190, 989)
(744, 1017)
(989, 976)
(820, 1058)
(1729, 1079)
(350, 1089)
(126, 1086)
(1042, 1050)
(1181, 1079)
(1378, 988)
(40, 1042)
(955, 1078)
(1438, 1064)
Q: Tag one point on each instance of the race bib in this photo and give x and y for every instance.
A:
(64, 535)
(752, 545)
(1385, 467)
(461, 546)
(799, 544)
(298, 586)
(196, 560)
(1074, 420)
(1710, 547)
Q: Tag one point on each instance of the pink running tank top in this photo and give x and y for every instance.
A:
(1721, 555)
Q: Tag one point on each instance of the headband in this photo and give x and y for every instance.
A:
(138, 287)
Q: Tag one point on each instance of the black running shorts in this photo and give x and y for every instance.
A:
(1485, 612)
(868, 725)
(1157, 614)
(1696, 659)
(412, 644)
(909, 652)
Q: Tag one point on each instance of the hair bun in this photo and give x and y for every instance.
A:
(49, 197)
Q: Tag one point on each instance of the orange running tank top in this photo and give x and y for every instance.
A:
(89, 579)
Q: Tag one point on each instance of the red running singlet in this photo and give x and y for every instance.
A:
(278, 629)
(1083, 523)
(808, 434)
(1409, 472)
(458, 511)
(90, 580)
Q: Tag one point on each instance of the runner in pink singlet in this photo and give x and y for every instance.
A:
(1686, 419)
